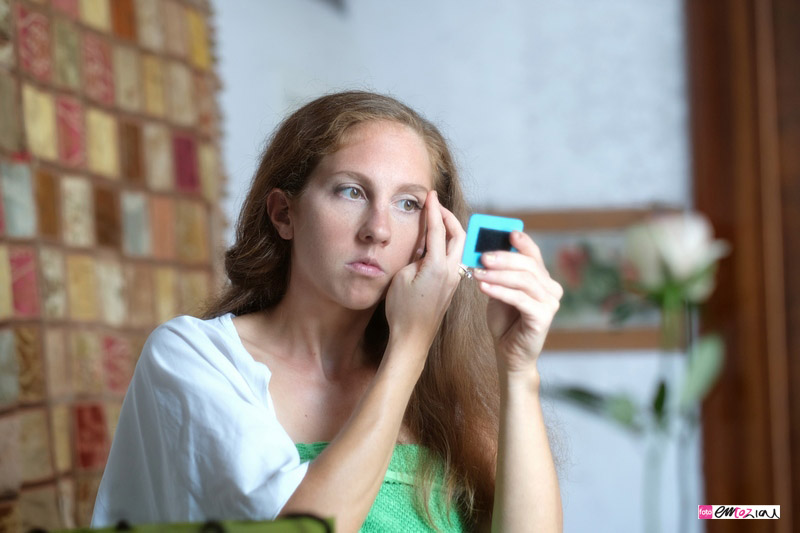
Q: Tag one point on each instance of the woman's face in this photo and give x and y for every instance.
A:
(359, 219)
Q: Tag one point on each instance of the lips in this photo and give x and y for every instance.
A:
(366, 266)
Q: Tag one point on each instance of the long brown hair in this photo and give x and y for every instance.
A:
(453, 411)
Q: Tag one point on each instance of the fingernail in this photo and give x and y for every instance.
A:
(488, 257)
(478, 271)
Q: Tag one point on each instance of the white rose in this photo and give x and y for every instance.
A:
(679, 247)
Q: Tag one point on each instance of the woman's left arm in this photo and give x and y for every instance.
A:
(523, 301)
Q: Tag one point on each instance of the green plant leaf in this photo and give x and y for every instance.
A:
(618, 408)
(705, 364)
(622, 409)
(580, 396)
(660, 402)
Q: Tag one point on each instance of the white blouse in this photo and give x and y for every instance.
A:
(197, 438)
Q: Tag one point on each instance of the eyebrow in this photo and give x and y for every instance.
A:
(407, 187)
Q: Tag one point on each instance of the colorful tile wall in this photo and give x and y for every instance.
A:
(19, 210)
(24, 282)
(71, 132)
(33, 36)
(47, 199)
(67, 54)
(39, 112)
(11, 132)
(6, 30)
(6, 299)
(110, 183)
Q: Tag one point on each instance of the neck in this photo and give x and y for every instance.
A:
(320, 334)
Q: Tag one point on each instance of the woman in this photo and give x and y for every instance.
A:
(347, 360)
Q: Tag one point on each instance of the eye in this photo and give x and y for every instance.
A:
(352, 193)
(409, 205)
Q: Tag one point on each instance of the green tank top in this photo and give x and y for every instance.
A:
(393, 509)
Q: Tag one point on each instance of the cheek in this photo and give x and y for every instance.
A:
(410, 234)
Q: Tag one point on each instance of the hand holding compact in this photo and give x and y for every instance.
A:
(523, 301)
(420, 293)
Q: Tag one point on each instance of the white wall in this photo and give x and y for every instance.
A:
(574, 103)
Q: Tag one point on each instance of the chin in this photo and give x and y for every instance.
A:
(363, 300)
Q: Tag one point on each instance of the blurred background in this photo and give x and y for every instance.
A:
(130, 131)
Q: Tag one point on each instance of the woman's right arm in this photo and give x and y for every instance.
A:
(344, 480)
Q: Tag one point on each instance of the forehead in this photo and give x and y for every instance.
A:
(382, 149)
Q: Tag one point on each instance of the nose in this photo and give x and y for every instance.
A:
(375, 228)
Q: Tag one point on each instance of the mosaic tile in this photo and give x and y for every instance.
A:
(162, 220)
(38, 508)
(206, 104)
(19, 209)
(176, 30)
(9, 370)
(102, 143)
(186, 173)
(34, 450)
(209, 171)
(67, 7)
(131, 152)
(96, 14)
(11, 132)
(86, 362)
(192, 231)
(198, 37)
(194, 290)
(81, 285)
(98, 73)
(123, 19)
(135, 224)
(39, 111)
(60, 424)
(67, 54)
(107, 217)
(117, 363)
(33, 39)
(30, 365)
(71, 132)
(137, 341)
(141, 307)
(111, 281)
(6, 300)
(153, 76)
(85, 496)
(47, 203)
(24, 287)
(158, 163)
(126, 78)
(6, 31)
(91, 436)
(54, 285)
(150, 23)
(57, 364)
(166, 284)
(77, 213)
(10, 467)
(9, 516)
(66, 498)
(112, 417)
(180, 97)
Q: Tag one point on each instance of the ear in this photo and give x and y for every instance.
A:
(278, 210)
